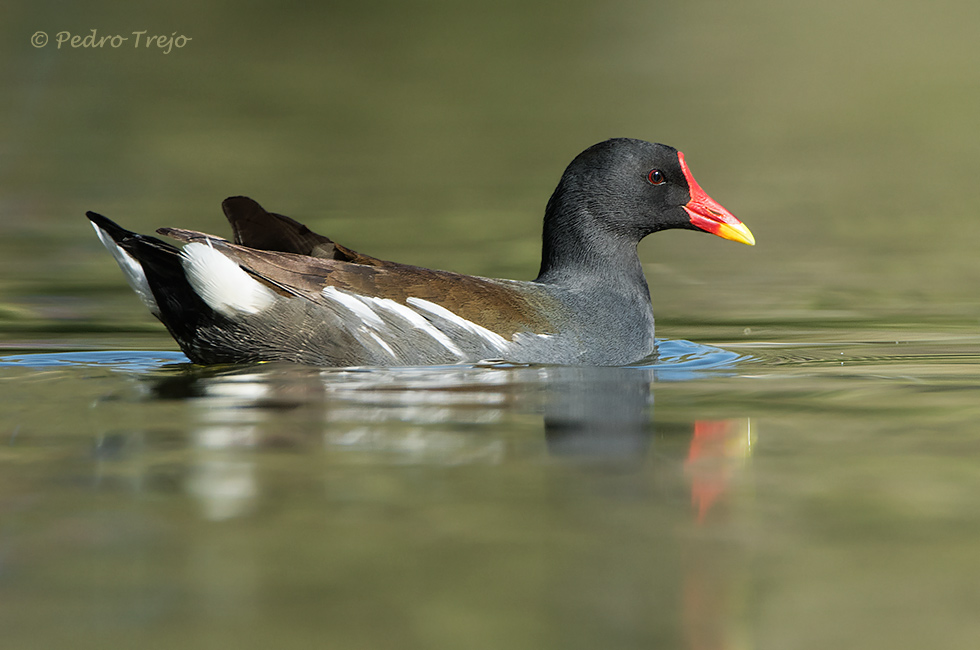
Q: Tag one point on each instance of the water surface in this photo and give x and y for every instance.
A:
(734, 496)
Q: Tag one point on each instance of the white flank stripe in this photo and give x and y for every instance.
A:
(494, 339)
(383, 344)
(351, 302)
(417, 321)
(132, 269)
(221, 283)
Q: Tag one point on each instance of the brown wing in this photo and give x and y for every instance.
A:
(254, 227)
(293, 260)
(502, 307)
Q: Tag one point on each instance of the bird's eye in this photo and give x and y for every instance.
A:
(656, 177)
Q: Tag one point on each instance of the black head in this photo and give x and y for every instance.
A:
(617, 192)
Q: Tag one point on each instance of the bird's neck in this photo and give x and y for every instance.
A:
(579, 250)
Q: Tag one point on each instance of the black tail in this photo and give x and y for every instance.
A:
(163, 286)
(157, 257)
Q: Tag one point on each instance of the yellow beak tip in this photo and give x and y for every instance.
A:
(736, 232)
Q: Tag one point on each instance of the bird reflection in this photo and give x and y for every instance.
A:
(673, 473)
(717, 450)
(587, 411)
(598, 412)
(447, 415)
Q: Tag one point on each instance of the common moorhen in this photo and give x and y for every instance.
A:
(282, 292)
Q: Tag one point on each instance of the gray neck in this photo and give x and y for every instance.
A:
(580, 250)
(598, 276)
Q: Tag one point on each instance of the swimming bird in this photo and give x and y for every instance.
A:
(280, 292)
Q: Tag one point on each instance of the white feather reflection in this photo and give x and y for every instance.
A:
(222, 480)
(455, 415)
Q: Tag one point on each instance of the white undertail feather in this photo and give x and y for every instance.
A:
(132, 270)
(221, 283)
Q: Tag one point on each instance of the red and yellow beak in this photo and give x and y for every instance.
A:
(709, 216)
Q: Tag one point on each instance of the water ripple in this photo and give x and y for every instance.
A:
(672, 355)
(138, 360)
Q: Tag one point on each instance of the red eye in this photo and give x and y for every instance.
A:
(656, 177)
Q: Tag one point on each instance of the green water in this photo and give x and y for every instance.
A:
(814, 486)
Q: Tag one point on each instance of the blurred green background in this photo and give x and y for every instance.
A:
(843, 133)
